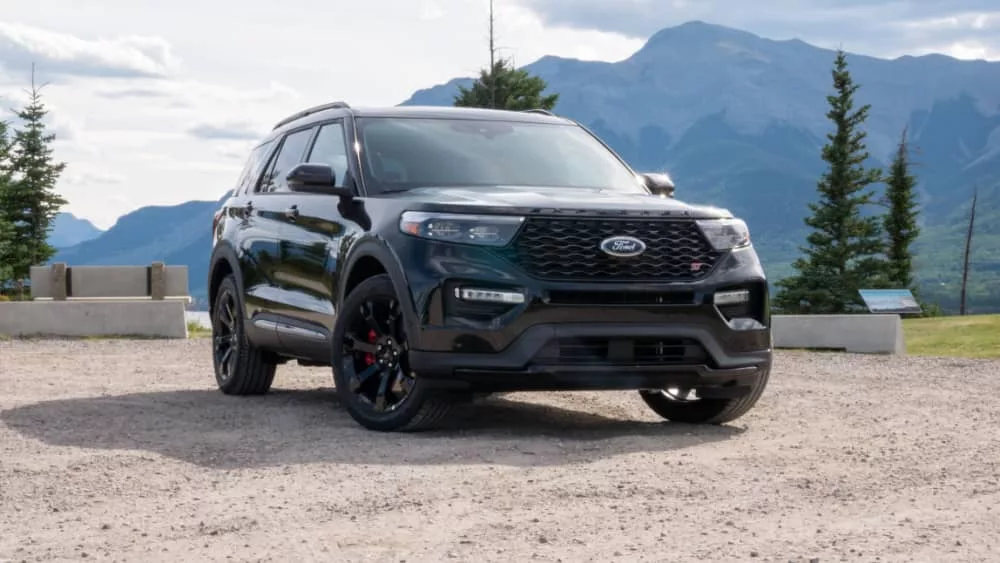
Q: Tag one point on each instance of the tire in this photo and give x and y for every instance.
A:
(705, 411)
(383, 397)
(240, 367)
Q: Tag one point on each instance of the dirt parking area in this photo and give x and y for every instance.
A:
(124, 451)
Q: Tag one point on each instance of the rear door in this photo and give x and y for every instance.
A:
(313, 234)
(252, 249)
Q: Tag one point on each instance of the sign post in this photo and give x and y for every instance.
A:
(890, 301)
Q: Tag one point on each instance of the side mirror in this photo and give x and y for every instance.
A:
(315, 178)
(659, 183)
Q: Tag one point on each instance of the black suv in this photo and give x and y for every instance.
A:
(431, 255)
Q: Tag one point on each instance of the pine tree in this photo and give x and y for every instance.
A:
(506, 87)
(844, 247)
(6, 246)
(6, 229)
(503, 86)
(31, 203)
(900, 221)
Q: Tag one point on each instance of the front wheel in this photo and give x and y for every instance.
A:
(683, 405)
(370, 363)
(240, 367)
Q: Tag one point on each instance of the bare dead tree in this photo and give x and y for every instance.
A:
(493, 51)
(968, 248)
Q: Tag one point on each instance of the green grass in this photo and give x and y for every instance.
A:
(195, 330)
(973, 336)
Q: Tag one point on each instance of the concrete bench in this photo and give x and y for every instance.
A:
(146, 301)
(864, 334)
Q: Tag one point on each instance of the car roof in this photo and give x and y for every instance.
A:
(453, 112)
(322, 113)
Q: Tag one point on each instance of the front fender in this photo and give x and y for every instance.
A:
(379, 249)
(223, 251)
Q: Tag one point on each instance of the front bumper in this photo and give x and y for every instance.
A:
(718, 373)
(511, 347)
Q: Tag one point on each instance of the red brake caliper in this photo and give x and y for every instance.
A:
(370, 358)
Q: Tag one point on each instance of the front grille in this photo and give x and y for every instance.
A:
(629, 351)
(569, 249)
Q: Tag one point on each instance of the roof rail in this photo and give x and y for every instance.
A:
(312, 110)
(539, 110)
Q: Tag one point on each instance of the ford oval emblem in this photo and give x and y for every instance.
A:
(623, 247)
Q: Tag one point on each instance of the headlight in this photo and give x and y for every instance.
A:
(725, 234)
(488, 230)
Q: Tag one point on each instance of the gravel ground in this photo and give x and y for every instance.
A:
(123, 450)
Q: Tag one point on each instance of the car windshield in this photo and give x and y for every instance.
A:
(404, 153)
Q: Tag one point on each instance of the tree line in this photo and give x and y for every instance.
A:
(28, 200)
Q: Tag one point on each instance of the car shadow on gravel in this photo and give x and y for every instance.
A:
(206, 428)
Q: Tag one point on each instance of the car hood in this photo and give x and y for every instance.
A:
(522, 199)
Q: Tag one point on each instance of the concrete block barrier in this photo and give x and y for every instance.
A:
(149, 318)
(82, 301)
(157, 281)
(864, 334)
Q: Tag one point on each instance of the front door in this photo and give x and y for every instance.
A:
(312, 237)
(266, 207)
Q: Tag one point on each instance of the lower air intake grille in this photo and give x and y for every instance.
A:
(637, 351)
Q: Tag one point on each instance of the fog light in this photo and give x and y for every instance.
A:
(489, 295)
(732, 297)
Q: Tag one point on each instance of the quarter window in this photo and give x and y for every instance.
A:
(251, 171)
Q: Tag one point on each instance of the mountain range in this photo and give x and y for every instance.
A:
(738, 120)
(69, 230)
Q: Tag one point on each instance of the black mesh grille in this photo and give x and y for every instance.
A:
(639, 351)
(569, 249)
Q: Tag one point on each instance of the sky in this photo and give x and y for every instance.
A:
(157, 103)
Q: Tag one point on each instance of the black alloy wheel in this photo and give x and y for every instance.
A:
(225, 340)
(240, 367)
(371, 369)
(685, 406)
(375, 354)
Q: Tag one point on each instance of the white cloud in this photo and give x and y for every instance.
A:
(873, 27)
(227, 131)
(21, 45)
(132, 99)
(129, 82)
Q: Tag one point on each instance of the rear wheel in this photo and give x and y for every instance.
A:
(240, 367)
(683, 405)
(370, 364)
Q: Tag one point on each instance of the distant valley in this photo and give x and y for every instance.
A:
(738, 120)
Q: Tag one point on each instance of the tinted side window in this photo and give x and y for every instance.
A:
(290, 154)
(252, 169)
(331, 148)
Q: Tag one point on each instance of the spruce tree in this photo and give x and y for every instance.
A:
(844, 252)
(900, 220)
(506, 87)
(6, 229)
(31, 203)
(6, 247)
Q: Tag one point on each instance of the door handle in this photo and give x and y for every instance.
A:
(292, 212)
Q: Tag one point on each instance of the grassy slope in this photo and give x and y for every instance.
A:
(974, 336)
